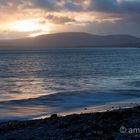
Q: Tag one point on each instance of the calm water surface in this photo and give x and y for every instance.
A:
(46, 81)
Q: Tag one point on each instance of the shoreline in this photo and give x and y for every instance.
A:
(114, 124)
(129, 103)
(97, 108)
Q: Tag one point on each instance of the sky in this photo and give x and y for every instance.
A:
(29, 18)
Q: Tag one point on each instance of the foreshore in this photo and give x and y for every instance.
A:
(117, 124)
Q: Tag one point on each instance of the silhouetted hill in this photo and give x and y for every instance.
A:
(74, 39)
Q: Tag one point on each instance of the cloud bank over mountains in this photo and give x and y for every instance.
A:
(93, 16)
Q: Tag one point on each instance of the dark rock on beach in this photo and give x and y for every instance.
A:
(121, 124)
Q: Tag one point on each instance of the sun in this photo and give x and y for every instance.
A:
(32, 26)
(26, 25)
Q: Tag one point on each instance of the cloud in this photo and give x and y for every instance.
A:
(106, 28)
(73, 5)
(103, 5)
(59, 19)
(115, 6)
(75, 15)
(76, 5)
(50, 5)
(60, 5)
(88, 5)
(129, 6)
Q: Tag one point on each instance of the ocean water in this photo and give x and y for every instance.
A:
(37, 82)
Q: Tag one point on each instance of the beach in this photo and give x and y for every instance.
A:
(69, 70)
(117, 124)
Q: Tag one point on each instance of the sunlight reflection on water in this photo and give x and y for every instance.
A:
(35, 82)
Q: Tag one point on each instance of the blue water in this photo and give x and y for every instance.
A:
(42, 82)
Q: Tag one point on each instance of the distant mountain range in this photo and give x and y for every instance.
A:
(73, 39)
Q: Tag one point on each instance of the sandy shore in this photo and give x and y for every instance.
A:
(118, 124)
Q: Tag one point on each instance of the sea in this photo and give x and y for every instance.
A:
(41, 82)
